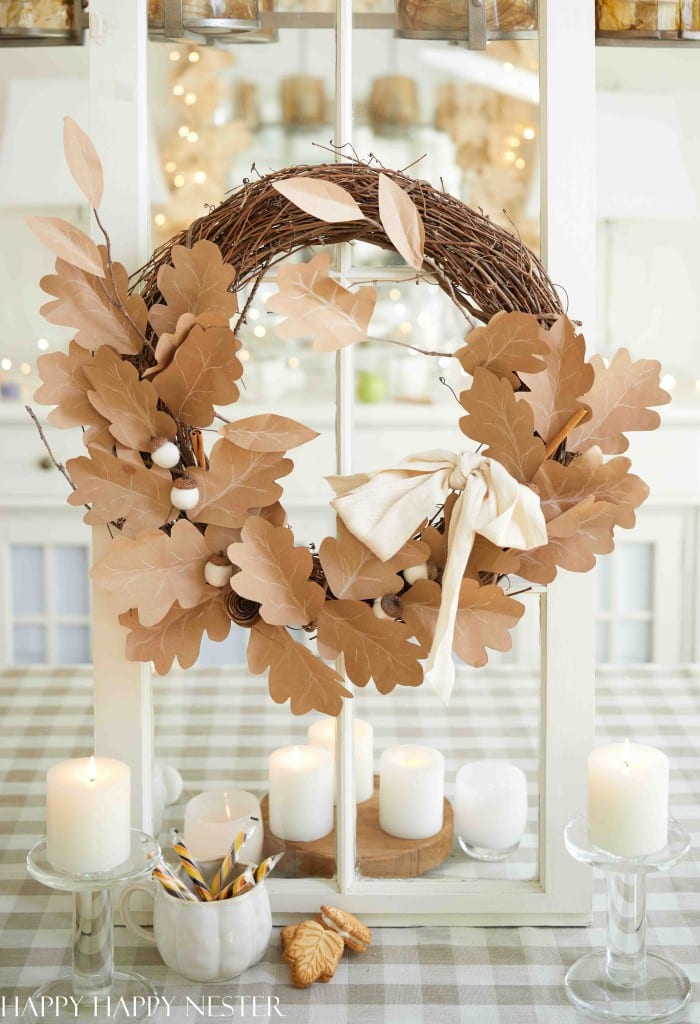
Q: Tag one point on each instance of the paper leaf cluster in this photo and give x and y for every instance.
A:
(354, 573)
(197, 282)
(554, 393)
(128, 403)
(318, 307)
(268, 432)
(236, 481)
(69, 243)
(509, 345)
(117, 489)
(178, 635)
(295, 673)
(65, 386)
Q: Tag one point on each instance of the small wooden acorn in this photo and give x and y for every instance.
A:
(184, 494)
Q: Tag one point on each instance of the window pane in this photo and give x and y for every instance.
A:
(230, 652)
(71, 594)
(602, 642)
(72, 645)
(602, 579)
(635, 566)
(633, 642)
(27, 580)
(30, 645)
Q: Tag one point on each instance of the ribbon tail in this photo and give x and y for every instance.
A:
(440, 670)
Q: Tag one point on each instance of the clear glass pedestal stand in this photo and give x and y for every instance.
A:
(94, 990)
(624, 982)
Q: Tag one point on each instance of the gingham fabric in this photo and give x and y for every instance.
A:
(215, 728)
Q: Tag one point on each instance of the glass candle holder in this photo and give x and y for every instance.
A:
(490, 809)
(446, 19)
(303, 101)
(642, 18)
(690, 15)
(37, 15)
(220, 17)
(393, 104)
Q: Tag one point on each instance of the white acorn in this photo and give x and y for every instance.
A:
(379, 612)
(425, 571)
(184, 494)
(164, 453)
(218, 571)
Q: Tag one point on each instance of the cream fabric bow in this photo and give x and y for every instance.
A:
(386, 509)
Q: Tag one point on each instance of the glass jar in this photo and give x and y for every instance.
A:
(50, 15)
(644, 17)
(443, 18)
(303, 101)
(203, 15)
(393, 104)
(690, 15)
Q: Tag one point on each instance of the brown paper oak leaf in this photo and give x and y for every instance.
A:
(401, 221)
(508, 345)
(201, 375)
(65, 385)
(619, 401)
(120, 490)
(318, 307)
(487, 557)
(268, 432)
(575, 538)
(196, 282)
(101, 311)
(485, 618)
(83, 162)
(275, 574)
(178, 635)
(355, 573)
(153, 571)
(236, 481)
(168, 344)
(296, 674)
(372, 648)
(554, 395)
(561, 487)
(497, 419)
(126, 401)
(322, 199)
(68, 243)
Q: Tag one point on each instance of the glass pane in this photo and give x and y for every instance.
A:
(603, 582)
(634, 576)
(632, 642)
(29, 645)
(602, 642)
(27, 580)
(72, 644)
(230, 652)
(71, 591)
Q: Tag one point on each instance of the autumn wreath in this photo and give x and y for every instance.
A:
(424, 548)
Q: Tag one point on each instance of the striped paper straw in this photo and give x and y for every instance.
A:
(244, 883)
(268, 865)
(172, 884)
(190, 865)
(228, 863)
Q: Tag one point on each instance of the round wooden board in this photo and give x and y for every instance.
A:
(379, 855)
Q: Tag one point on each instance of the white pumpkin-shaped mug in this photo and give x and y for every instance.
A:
(213, 941)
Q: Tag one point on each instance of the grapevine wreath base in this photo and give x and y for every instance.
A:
(425, 549)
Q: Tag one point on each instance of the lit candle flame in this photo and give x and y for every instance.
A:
(626, 752)
(92, 769)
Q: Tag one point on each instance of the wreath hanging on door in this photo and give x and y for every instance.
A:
(423, 549)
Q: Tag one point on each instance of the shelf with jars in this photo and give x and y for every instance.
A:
(647, 22)
(42, 22)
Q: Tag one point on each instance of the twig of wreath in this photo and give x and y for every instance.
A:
(424, 548)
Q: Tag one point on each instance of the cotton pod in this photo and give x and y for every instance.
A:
(184, 494)
(164, 453)
(218, 571)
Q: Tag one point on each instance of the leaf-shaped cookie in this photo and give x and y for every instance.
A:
(275, 573)
(196, 282)
(484, 618)
(575, 538)
(561, 487)
(68, 242)
(101, 311)
(508, 345)
(373, 648)
(152, 571)
(120, 490)
(83, 162)
(268, 432)
(322, 199)
(201, 375)
(355, 573)
(619, 401)
(129, 403)
(178, 635)
(296, 674)
(497, 419)
(314, 952)
(236, 481)
(401, 221)
(65, 385)
(554, 395)
(318, 307)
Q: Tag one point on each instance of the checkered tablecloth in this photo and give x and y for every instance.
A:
(213, 727)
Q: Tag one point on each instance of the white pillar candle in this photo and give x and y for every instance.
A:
(214, 819)
(322, 734)
(88, 812)
(411, 791)
(301, 793)
(628, 799)
(490, 805)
